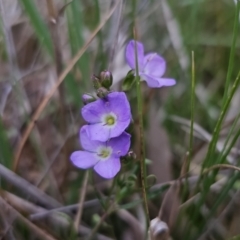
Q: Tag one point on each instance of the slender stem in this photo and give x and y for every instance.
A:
(232, 52)
(104, 216)
(82, 195)
(192, 112)
(141, 133)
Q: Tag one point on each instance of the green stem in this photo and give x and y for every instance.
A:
(142, 145)
(232, 52)
(192, 113)
(208, 180)
(208, 161)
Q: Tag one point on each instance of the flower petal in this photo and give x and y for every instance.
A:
(155, 82)
(120, 145)
(102, 133)
(92, 112)
(130, 54)
(167, 82)
(83, 159)
(98, 132)
(154, 65)
(86, 142)
(119, 128)
(109, 168)
(119, 105)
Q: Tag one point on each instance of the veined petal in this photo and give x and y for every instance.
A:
(119, 128)
(130, 54)
(120, 144)
(154, 65)
(92, 112)
(102, 133)
(109, 168)
(156, 82)
(83, 159)
(86, 142)
(119, 105)
(98, 132)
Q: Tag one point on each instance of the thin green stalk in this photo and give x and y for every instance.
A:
(104, 216)
(142, 145)
(232, 52)
(233, 142)
(192, 113)
(228, 137)
(186, 164)
(219, 200)
(206, 183)
(213, 143)
(226, 98)
(212, 177)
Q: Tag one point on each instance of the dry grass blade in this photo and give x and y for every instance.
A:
(81, 201)
(39, 232)
(43, 104)
(27, 188)
(170, 206)
(133, 223)
(217, 166)
(161, 226)
(53, 219)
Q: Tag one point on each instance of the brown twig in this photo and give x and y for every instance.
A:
(62, 76)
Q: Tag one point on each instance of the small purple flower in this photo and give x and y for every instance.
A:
(151, 66)
(107, 117)
(103, 156)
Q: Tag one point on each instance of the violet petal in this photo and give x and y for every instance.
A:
(98, 132)
(120, 145)
(93, 111)
(83, 159)
(154, 65)
(86, 142)
(167, 82)
(155, 82)
(130, 54)
(119, 128)
(108, 168)
(119, 105)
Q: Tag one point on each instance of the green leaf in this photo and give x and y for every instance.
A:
(5, 148)
(128, 81)
(39, 25)
(76, 38)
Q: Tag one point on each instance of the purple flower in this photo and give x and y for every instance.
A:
(107, 117)
(151, 66)
(104, 156)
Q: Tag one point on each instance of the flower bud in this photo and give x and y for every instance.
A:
(106, 79)
(102, 92)
(86, 98)
(96, 82)
(132, 155)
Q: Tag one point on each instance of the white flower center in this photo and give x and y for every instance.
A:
(104, 153)
(109, 120)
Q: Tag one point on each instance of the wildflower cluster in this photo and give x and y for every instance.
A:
(103, 139)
